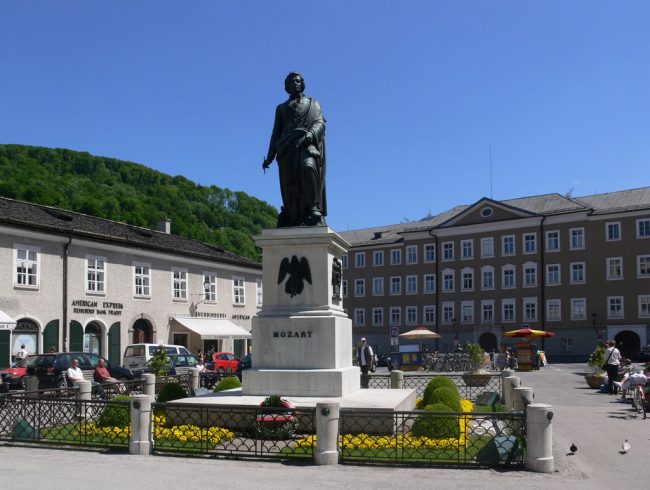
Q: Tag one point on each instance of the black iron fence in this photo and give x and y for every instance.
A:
(470, 386)
(234, 431)
(55, 417)
(185, 380)
(432, 438)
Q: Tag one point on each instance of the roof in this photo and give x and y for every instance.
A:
(68, 223)
(542, 205)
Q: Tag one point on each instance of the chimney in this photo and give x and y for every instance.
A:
(165, 226)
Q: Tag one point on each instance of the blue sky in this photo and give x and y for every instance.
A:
(415, 93)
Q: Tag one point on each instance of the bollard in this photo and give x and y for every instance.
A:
(149, 384)
(539, 438)
(509, 384)
(141, 440)
(327, 433)
(85, 393)
(195, 383)
(396, 379)
(31, 386)
(522, 397)
(506, 373)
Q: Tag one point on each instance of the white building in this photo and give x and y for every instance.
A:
(75, 282)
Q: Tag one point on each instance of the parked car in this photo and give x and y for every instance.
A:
(179, 364)
(243, 364)
(225, 362)
(51, 368)
(14, 377)
(136, 356)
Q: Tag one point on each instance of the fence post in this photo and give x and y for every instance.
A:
(327, 433)
(31, 385)
(522, 397)
(141, 440)
(149, 384)
(396, 379)
(510, 383)
(539, 438)
(506, 373)
(85, 393)
(195, 381)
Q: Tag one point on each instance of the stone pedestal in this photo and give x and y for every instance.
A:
(302, 338)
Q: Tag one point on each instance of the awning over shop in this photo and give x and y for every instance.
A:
(213, 328)
(6, 322)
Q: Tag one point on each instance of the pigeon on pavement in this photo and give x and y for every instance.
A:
(573, 448)
(626, 447)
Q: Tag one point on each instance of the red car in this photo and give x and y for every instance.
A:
(14, 377)
(225, 362)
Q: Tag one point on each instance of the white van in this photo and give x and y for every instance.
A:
(136, 356)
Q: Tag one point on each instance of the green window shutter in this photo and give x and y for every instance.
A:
(76, 336)
(51, 336)
(114, 343)
(4, 349)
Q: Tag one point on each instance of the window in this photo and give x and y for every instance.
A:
(377, 317)
(615, 307)
(360, 259)
(553, 310)
(487, 247)
(530, 274)
(577, 272)
(643, 266)
(412, 254)
(344, 261)
(95, 275)
(377, 286)
(508, 310)
(614, 268)
(567, 345)
(26, 266)
(395, 285)
(395, 315)
(411, 284)
(552, 241)
(467, 249)
(468, 279)
(448, 316)
(448, 251)
(359, 317)
(487, 311)
(396, 256)
(508, 276)
(359, 287)
(344, 288)
(429, 283)
(411, 315)
(179, 284)
(487, 277)
(238, 291)
(429, 314)
(429, 252)
(577, 238)
(644, 305)
(643, 228)
(141, 280)
(530, 243)
(210, 279)
(259, 293)
(467, 312)
(530, 309)
(448, 280)
(553, 274)
(378, 258)
(486, 212)
(612, 231)
(508, 245)
(578, 309)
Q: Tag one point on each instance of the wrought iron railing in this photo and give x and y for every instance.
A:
(469, 386)
(432, 438)
(234, 431)
(185, 380)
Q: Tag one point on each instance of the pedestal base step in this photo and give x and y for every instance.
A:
(301, 382)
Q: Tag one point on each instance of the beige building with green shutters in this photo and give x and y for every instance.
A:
(579, 267)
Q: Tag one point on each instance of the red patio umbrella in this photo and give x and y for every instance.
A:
(529, 332)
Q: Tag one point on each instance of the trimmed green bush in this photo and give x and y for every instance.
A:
(116, 415)
(436, 426)
(228, 383)
(171, 391)
(446, 396)
(438, 382)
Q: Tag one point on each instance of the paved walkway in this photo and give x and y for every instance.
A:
(596, 423)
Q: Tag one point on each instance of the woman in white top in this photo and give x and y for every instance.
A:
(613, 361)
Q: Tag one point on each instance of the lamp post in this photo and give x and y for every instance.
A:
(205, 294)
(454, 326)
(593, 323)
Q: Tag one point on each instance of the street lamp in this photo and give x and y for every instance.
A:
(455, 328)
(206, 292)
(593, 323)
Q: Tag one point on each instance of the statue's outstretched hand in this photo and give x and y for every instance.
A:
(267, 162)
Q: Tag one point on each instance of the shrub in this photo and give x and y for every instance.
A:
(116, 415)
(171, 391)
(446, 396)
(438, 382)
(597, 359)
(476, 355)
(228, 383)
(419, 404)
(436, 426)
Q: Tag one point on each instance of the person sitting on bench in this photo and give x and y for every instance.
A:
(74, 374)
(102, 375)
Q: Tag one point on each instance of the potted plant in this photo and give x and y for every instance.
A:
(596, 377)
(476, 376)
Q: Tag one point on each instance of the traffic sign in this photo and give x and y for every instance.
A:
(394, 331)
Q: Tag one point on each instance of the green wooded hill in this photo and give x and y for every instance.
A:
(133, 193)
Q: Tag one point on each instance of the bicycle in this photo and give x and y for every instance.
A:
(638, 397)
